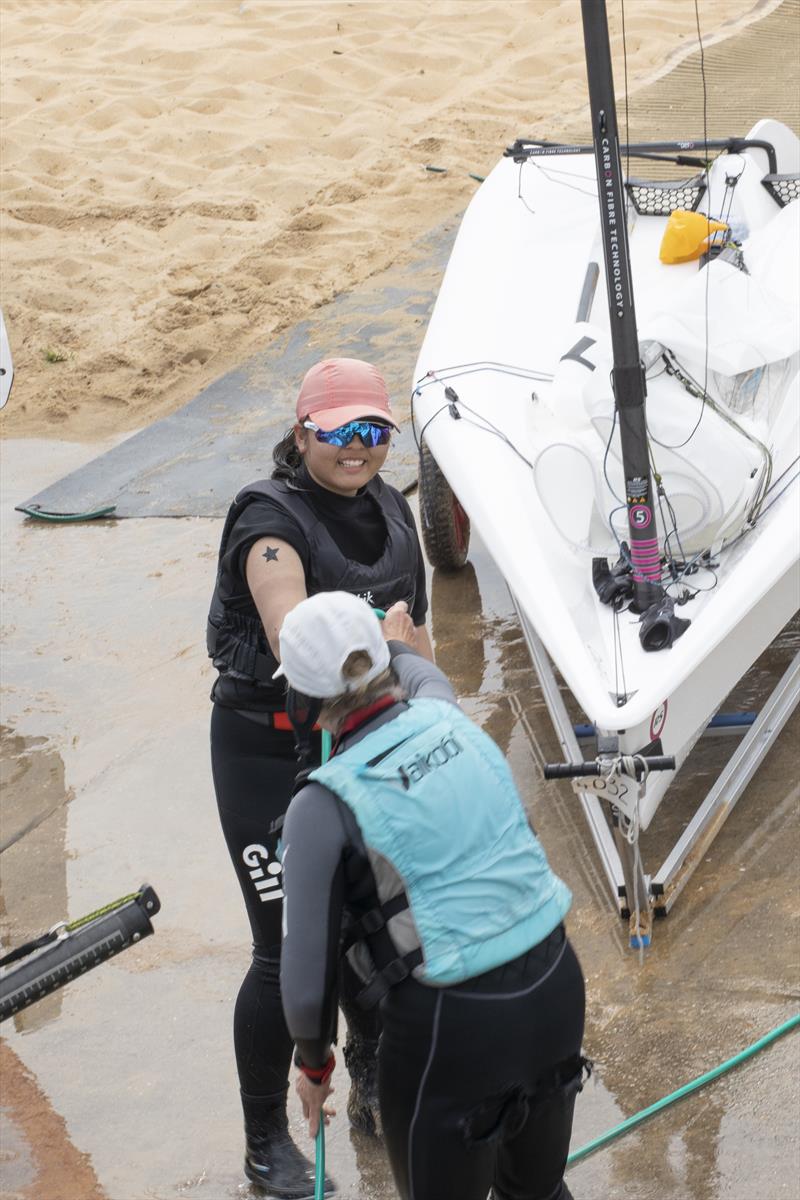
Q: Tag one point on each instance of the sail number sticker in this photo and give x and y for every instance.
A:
(658, 721)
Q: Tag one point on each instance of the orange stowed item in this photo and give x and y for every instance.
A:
(686, 236)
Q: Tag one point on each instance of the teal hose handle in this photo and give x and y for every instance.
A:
(319, 1144)
(319, 1161)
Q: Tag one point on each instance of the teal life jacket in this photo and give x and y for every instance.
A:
(463, 884)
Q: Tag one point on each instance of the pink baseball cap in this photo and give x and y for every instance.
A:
(338, 390)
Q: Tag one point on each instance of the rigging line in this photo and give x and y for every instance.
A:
(690, 562)
(605, 461)
(615, 535)
(627, 129)
(615, 624)
(418, 437)
(622, 662)
(520, 196)
(485, 426)
(658, 375)
(686, 567)
(730, 189)
(679, 445)
(618, 652)
(443, 373)
(661, 493)
(693, 588)
(761, 514)
(708, 175)
(638, 875)
(682, 374)
(549, 173)
(785, 471)
(488, 427)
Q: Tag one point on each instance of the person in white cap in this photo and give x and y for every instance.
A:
(410, 848)
(324, 520)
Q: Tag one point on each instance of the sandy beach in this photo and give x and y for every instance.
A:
(183, 179)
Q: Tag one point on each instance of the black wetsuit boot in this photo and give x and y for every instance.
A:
(363, 1109)
(562, 1194)
(272, 1161)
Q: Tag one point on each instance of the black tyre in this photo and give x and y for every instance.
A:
(445, 525)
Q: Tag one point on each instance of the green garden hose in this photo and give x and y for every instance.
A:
(319, 1144)
(319, 1161)
(637, 1118)
(91, 514)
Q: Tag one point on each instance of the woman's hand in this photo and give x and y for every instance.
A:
(313, 1097)
(397, 624)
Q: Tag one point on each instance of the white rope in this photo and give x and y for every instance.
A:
(626, 764)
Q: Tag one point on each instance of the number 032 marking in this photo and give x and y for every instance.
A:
(610, 787)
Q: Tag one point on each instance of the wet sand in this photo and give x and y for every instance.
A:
(126, 1077)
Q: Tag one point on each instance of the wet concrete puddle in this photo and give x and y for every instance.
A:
(122, 1085)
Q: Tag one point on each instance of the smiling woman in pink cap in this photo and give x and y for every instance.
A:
(324, 522)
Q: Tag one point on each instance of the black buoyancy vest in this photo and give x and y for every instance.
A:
(235, 636)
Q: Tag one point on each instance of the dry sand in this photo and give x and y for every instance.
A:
(181, 179)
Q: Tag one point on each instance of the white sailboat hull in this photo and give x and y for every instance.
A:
(528, 447)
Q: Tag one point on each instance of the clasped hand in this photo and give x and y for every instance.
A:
(397, 624)
(313, 1097)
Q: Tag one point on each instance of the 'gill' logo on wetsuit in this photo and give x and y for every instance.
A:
(264, 874)
(423, 764)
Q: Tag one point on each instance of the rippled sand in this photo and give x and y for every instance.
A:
(182, 179)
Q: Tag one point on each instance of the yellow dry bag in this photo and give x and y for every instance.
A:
(686, 236)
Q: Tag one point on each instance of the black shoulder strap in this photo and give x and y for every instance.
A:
(375, 919)
(393, 973)
(391, 967)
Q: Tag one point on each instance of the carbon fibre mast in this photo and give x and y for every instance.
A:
(627, 376)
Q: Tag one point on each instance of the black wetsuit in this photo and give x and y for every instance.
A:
(254, 766)
(477, 1081)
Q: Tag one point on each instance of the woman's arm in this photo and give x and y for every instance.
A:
(417, 676)
(314, 840)
(277, 583)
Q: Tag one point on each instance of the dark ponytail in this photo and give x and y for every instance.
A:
(287, 458)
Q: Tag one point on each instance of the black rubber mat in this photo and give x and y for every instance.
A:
(191, 463)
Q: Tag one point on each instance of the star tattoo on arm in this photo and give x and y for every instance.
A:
(271, 554)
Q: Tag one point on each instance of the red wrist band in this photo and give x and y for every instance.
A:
(318, 1075)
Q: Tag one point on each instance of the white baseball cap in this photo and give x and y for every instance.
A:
(318, 635)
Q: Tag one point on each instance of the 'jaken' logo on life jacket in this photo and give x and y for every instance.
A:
(423, 764)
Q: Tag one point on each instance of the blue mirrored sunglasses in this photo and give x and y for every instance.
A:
(371, 434)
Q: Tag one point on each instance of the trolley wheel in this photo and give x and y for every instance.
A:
(445, 525)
